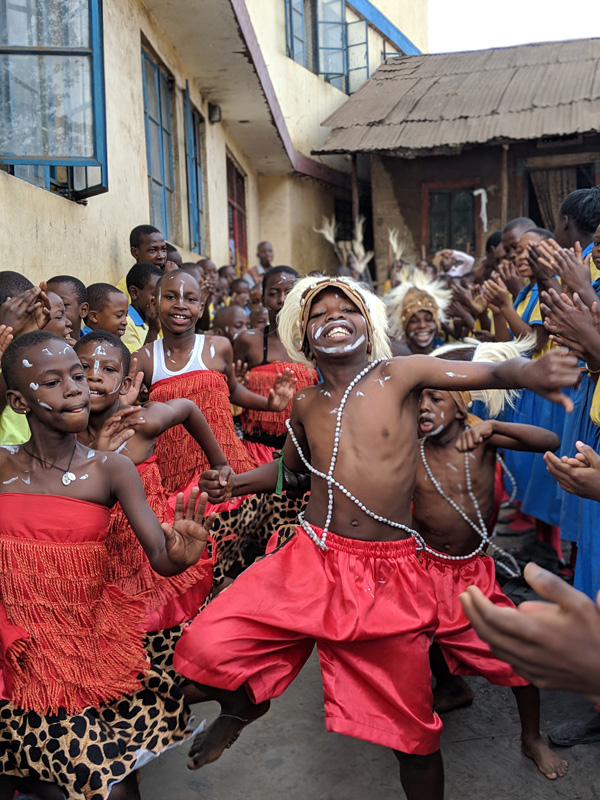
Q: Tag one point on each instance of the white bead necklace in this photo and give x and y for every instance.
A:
(479, 527)
(330, 480)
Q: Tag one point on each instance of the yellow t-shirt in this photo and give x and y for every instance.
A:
(14, 428)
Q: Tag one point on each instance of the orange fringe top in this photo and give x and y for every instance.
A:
(180, 457)
(68, 639)
(129, 568)
(260, 380)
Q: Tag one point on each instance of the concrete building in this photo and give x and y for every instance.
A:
(197, 116)
(460, 143)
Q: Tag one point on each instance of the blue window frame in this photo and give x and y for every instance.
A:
(52, 83)
(332, 42)
(194, 125)
(159, 144)
(295, 30)
(357, 39)
(52, 115)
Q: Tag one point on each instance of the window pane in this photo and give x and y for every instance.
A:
(151, 98)
(156, 199)
(46, 23)
(154, 155)
(32, 173)
(168, 160)
(48, 106)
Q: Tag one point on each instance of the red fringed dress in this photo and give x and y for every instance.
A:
(73, 669)
(180, 458)
(265, 431)
(168, 601)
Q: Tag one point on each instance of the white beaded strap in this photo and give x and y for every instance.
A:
(479, 527)
(510, 476)
(330, 480)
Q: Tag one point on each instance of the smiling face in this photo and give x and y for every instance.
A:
(59, 323)
(103, 369)
(178, 298)
(437, 411)
(421, 329)
(336, 327)
(52, 387)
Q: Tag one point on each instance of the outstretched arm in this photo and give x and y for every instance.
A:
(171, 549)
(546, 376)
(162, 416)
(509, 435)
(555, 645)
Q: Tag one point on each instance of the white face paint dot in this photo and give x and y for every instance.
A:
(26, 363)
(34, 386)
(10, 480)
(212, 351)
(84, 477)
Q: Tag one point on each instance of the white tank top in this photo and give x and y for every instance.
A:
(160, 369)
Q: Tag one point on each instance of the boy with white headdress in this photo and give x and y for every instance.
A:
(453, 504)
(416, 310)
(361, 594)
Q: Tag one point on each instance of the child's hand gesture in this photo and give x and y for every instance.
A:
(217, 484)
(546, 376)
(579, 475)
(509, 277)
(186, 537)
(282, 392)
(136, 383)
(473, 437)
(6, 337)
(496, 293)
(118, 429)
(240, 369)
(19, 312)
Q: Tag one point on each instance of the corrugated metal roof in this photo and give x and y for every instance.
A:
(416, 103)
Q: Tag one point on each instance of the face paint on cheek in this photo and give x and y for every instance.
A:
(26, 363)
(435, 431)
(45, 405)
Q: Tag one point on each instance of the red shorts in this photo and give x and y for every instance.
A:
(464, 651)
(369, 607)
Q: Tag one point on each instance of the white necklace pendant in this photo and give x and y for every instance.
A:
(68, 478)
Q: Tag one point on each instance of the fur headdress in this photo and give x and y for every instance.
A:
(416, 292)
(293, 317)
(496, 352)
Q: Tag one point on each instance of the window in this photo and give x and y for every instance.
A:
(451, 220)
(319, 38)
(159, 145)
(52, 131)
(194, 126)
(236, 214)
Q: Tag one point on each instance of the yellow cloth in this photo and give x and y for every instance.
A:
(122, 286)
(536, 317)
(594, 271)
(595, 409)
(14, 428)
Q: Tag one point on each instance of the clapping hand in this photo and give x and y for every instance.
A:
(118, 429)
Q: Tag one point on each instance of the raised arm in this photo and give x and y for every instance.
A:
(171, 549)
(546, 376)
(162, 416)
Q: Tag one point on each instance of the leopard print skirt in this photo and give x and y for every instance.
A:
(85, 754)
(241, 535)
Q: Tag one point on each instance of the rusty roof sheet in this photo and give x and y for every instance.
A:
(419, 103)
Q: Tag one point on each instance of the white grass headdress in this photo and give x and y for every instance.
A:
(496, 352)
(416, 292)
(293, 317)
(396, 247)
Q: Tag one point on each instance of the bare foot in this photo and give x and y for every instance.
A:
(452, 693)
(549, 763)
(209, 745)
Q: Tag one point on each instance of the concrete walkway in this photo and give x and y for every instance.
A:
(288, 755)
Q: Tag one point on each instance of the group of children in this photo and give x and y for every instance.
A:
(119, 403)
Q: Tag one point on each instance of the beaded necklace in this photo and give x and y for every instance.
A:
(479, 527)
(330, 480)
